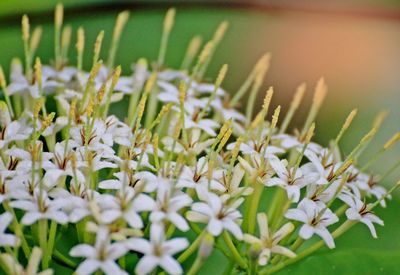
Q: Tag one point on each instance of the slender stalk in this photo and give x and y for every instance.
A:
(43, 241)
(196, 266)
(191, 249)
(50, 244)
(254, 201)
(236, 255)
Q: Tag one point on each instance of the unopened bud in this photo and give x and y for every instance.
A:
(169, 20)
(395, 138)
(25, 28)
(206, 246)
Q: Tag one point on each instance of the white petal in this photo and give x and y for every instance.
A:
(146, 265)
(170, 265)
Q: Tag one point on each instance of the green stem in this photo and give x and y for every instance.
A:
(50, 244)
(43, 241)
(254, 201)
(236, 255)
(191, 249)
(58, 256)
(196, 266)
(18, 231)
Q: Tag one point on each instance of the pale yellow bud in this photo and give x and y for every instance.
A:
(38, 106)
(298, 96)
(38, 71)
(368, 136)
(97, 45)
(25, 28)
(3, 82)
(225, 139)
(58, 16)
(349, 119)
(66, 36)
(236, 149)
(48, 120)
(115, 78)
(169, 20)
(178, 129)
(80, 43)
(155, 144)
(194, 45)
(221, 75)
(320, 92)
(310, 133)
(150, 83)
(182, 92)
(275, 117)
(120, 23)
(267, 98)
(219, 33)
(72, 108)
(206, 52)
(224, 128)
(262, 64)
(36, 35)
(206, 246)
(395, 138)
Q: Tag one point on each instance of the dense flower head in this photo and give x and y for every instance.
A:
(182, 169)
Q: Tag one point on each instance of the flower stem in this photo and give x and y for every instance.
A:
(196, 266)
(191, 249)
(236, 255)
(18, 231)
(50, 244)
(254, 201)
(43, 241)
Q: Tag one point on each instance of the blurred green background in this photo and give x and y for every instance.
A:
(354, 44)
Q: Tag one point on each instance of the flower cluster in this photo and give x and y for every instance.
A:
(184, 173)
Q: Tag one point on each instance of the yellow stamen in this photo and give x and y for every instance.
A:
(97, 46)
(221, 75)
(36, 35)
(38, 106)
(38, 72)
(25, 28)
(310, 133)
(205, 52)
(192, 50)
(395, 138)
(80, 45)
(169, 20)
(59, 14)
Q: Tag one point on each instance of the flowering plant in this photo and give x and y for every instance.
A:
(184, 174)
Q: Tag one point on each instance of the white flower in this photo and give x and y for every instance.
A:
(61, 165)
(157, 251)
(191, 177)
(253, 147)
(14, 131)
(7, 239)
(41, 207)
(100, 256)
(168, 204)
(368, 184)
(216, 214)
(126, 204)
(268, 241)
(360, 211)
(291, 179)
(315, 219)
